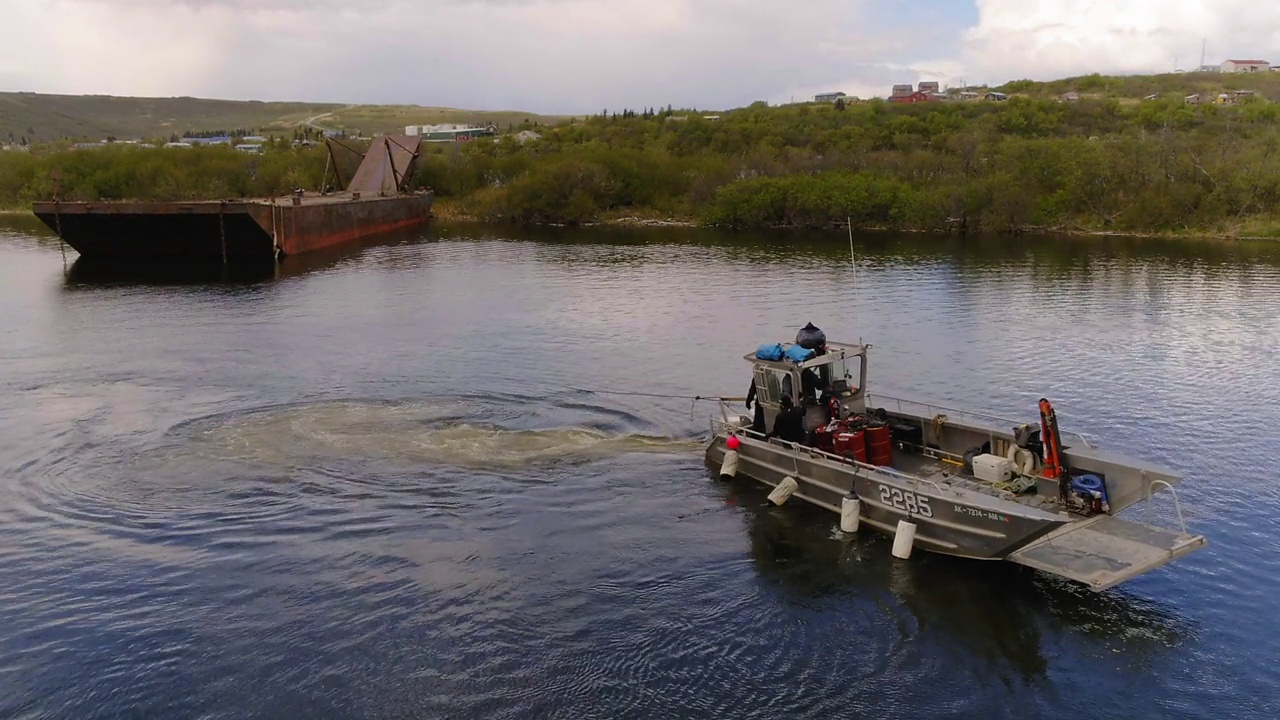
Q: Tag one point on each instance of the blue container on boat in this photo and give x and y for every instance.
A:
(1087, 484)
(769, 351)
(797, 354)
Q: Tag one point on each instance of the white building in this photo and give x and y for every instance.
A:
(829, 97)
(1245, 66)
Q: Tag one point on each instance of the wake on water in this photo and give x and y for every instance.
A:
(458, 432)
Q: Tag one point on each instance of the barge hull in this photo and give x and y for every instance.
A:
(244, 230)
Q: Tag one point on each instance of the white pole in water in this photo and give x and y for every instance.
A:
(784, 490)
(850, 506)
(729, 468)
(853, 258)
(903, 539)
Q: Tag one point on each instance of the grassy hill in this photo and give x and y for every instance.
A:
(371, 119)
(1137, 87)
(44, 118)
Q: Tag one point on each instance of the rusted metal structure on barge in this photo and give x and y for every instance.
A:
(373, 200)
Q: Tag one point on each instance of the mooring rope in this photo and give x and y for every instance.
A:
(693, 399)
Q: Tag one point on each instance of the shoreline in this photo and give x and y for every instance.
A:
(452, 214)
(631, 221)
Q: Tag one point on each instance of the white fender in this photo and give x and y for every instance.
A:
(850, 506)
(903, 539)
(729, 468)
(784, 490)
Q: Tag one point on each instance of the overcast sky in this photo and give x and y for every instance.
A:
(576, 56)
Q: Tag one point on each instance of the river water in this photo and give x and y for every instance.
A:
(396, 482)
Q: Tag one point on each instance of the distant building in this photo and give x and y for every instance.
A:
(967, 95)
(525, 136)
(253, 139)
(450, 133)
(929, 87)
(1191, 100)
(915, 97)
(177, 145)
(249, 148)
(995, 97)
(1209, 69)
(829, 97)
(901, 91)
(1245, 66)
(1071, 96)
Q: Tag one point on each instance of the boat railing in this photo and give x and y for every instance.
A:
(1177, 506)
(724, 426)
(904, 405)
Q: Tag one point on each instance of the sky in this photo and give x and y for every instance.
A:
(584, 56)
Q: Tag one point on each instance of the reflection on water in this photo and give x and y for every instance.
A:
(995, 610)
(103, 271)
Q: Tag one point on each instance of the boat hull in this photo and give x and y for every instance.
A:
(231, 231)
(947, 521)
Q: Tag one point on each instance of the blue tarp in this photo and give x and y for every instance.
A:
(795, 353)
(769, 351)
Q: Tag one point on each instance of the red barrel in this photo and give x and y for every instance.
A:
(851, 445)
(824, 439)
(879, 445)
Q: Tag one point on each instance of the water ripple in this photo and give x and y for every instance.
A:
(381, 489)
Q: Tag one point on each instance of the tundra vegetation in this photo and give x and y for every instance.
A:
(1031, 163)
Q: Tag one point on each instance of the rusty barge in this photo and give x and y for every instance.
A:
(374, 200)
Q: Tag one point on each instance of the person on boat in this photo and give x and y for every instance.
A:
(757, 422)
(811, 383)
(789, 425)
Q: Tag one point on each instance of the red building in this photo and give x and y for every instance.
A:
(914, 97)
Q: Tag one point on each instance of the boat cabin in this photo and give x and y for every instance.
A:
(834, 378)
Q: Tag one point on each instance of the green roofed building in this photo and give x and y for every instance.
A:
(450, 133)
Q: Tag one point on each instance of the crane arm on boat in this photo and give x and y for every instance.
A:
(1052, 447)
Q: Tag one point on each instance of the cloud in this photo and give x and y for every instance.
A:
(579, 56)
(541, 55)
(1041, 39)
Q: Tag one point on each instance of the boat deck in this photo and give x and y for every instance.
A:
(951, 475)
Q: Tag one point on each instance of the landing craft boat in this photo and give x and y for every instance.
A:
(942, 480)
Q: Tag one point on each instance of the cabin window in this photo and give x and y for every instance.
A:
(774, 385)
(847, 369)
(787, 387)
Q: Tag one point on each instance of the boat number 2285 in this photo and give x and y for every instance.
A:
(906, 501)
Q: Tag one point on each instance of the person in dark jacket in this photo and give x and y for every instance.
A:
(789, 425)
(757, 422)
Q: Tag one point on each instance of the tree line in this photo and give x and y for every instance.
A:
(1010, 167)
(125, 172)
(1015, 166)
